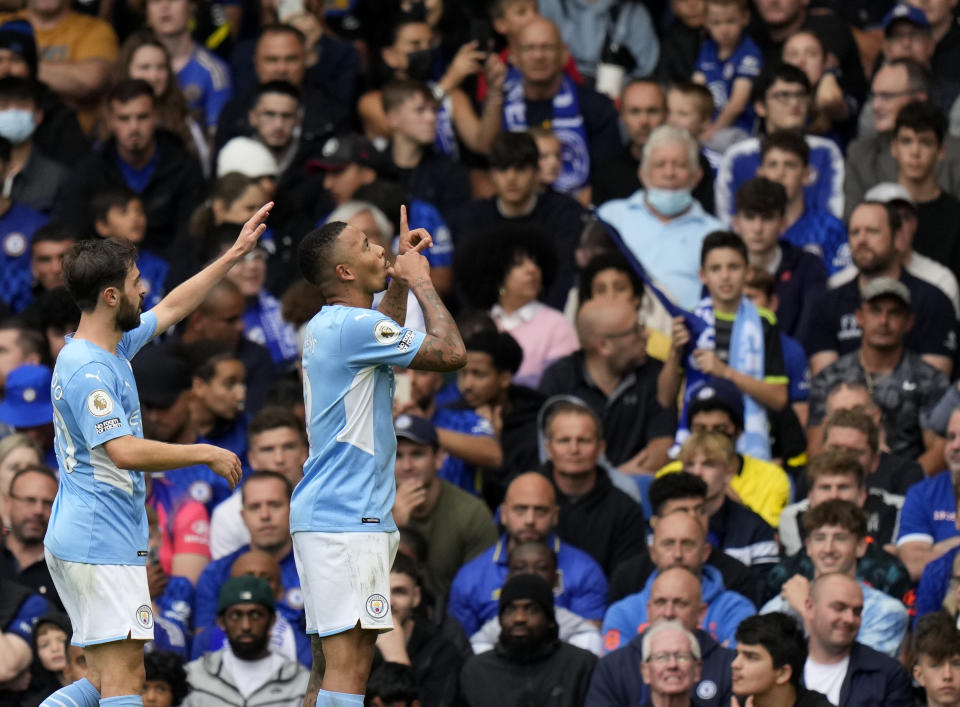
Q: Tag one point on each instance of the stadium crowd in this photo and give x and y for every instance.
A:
(704, 257)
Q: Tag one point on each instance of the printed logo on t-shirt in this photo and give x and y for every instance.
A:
(15, 244)
(294, 598)
(112, 424)
(405, 342)
(200, 491)
(99, 403)
(707, 690)
(385, 332)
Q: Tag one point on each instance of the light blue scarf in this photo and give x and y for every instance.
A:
(567, 124)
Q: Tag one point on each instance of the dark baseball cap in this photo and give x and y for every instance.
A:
(246, 589)
(340, 152)
(906, 13)
(714, 394)
(416, 429)
(161, 376)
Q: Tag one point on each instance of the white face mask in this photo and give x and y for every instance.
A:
(669, 202)
(17, 124)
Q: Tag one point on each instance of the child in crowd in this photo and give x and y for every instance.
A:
(690, 106)
(728, 63)
(549, 149)
(118, 213)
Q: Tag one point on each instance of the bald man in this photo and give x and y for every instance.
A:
(529, 512)
(675, 595)
(540, 93)
(679, 540)
(612, 374)
(847, 672)
(289, 641)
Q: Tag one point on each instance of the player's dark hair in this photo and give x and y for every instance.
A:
(670, 487)
(402, 564)
(19, 88)
(91, 266)
(922, 116)
(609, 260)
(502, 348)
(787, 140)
(316, 250)
(273, 417)
(284, 88)
(845, 514)
(510, 149)
(936, 636)
(781, 636)
(399, 91)
(41, 469)
(392, 683)
(127, 90)
(165, 666)
(761, 196)
(723, 239)
(778, 72)
(263, 476)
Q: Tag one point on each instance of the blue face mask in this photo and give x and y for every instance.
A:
(668, 202)
(17, 124)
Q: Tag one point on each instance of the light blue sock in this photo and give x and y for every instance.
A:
(81, 693)
(122, 701)
(338, 699)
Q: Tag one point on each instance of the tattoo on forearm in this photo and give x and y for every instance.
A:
(443, 349)
(394, 302)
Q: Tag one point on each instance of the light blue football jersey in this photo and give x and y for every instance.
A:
(98, 515)
(348, 483)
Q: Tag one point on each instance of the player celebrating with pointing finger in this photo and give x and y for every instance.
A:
(344, 536)
(96, 542)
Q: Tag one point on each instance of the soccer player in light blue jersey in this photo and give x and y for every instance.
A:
(96, 542)
(344, 536)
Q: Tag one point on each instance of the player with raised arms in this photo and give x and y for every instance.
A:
(96, 542)
(344, 536)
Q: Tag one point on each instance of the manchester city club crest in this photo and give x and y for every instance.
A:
(377, 606)
(145, 616)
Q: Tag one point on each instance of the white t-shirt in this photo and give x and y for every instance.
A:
(251, 675)
(227, 531)
(826, 678)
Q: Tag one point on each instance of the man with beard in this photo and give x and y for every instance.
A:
(235, 674)
(529, 664)
(904, 386)
(876, 240)
(100, 574)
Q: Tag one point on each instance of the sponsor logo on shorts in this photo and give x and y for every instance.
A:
(145, 616)
(385, 332)
(405, 342)
(112, 424)
(707, 690)
(200, 491)
(99, 403)
(377, 606)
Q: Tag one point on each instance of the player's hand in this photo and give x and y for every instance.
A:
(795, 591)
(411, 239)
(156, 580)
(225, 463)
(252, 230)
(411, 267)
(410, 495)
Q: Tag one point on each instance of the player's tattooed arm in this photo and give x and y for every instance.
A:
(394, 302)
(443, 349)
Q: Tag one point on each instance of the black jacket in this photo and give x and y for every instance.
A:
(175, 189)
(557, 677)
(874, 680)
(605, 522)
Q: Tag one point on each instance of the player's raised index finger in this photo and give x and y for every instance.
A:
(404, 228)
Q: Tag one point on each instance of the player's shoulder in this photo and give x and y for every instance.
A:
(78, 356)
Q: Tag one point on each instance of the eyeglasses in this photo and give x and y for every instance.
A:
(682, 657)
(786, 96)
(33, 501)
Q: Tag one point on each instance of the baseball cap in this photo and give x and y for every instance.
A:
(885, 192)
(716, 393)
(161, 376)
(17, 36)
(27, 402)
(416, 429)
(248, 157)
(243, 590)
(907, 13)
(886, 287)
(340, 152)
